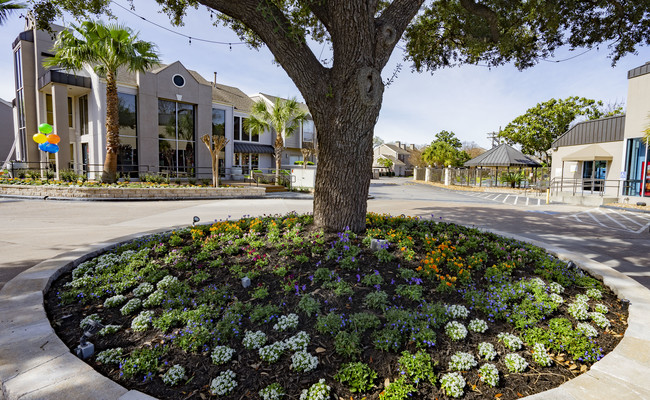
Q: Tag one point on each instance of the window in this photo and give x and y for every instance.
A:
(308, 130)
(83, 115)
(70, 115)
(248, 161)
(21, 149)
(178, 80)
(127, 156)
(49, 109)
(176, 134)
(241, 134)
(218, 122)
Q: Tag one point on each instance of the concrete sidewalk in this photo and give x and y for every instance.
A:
(50, 237)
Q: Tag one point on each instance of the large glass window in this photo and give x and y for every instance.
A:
(20, 105)
(241, 134)
(308, 130)
(218, 122)
(70, 114)
(248, 161)
(635, 159)
(127, 156)
(83, 115)
(176, 134)
(49, 109)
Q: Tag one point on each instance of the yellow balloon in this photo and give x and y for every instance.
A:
(53, 138)
(39, 138)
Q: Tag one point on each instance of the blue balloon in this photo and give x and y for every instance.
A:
(53, 148)
(43, 146)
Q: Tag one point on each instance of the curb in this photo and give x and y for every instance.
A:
(36, 364)
(636, 210)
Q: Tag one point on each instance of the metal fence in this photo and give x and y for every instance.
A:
(481, 177)
(586, 186)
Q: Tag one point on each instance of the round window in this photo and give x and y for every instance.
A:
(178, 80)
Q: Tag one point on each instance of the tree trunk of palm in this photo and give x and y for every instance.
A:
(109, 174)
(279, 145)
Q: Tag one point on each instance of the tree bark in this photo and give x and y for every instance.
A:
(345, 99)
(109, 174)
(279, 145)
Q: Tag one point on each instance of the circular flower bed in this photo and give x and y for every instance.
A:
(272, 308)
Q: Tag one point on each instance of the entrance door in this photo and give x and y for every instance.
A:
(84, 159)
(594, 174)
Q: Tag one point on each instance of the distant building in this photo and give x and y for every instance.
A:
(163, 113)
(399, 153)
(6, 131)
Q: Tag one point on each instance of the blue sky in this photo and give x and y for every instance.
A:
(470, 101)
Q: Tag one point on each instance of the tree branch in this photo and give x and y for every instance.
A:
(276, 31)
(390, 26)
(484, 11)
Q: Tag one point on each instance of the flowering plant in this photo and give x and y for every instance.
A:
(223, 384)
(455, 330)
(174, 375)
(452, 384)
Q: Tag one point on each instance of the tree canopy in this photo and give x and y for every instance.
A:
(445, 150)
(448, 137)
(539, 126)
(345, 95)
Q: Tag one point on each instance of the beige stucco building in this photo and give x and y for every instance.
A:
(163, 112)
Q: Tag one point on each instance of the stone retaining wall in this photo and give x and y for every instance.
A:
(130, 193)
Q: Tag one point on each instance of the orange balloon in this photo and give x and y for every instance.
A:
(53, 138)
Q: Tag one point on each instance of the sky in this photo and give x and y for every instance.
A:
(470, 101)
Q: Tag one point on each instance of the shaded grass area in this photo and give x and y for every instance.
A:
(410, 308)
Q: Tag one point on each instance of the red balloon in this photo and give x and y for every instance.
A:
(53, 138)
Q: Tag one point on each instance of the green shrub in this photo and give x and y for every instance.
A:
(359, 377)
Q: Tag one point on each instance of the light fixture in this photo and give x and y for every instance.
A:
(86, 349)
(195, 220)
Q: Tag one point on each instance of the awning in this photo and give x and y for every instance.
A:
(253, 148)
(593, 152)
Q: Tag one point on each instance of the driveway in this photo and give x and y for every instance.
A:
(35, 230)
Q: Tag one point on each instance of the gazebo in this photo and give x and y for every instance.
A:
(502, 156)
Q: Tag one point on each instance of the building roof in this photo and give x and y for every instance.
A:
(273, 99)
(502, 156)
(638, 71)
(592, 152)
(223, 94)
(397, 149)
(392, 158)
(610, 129)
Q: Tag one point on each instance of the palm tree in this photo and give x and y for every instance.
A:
(284, 117)
(7, 7)
(106, 47)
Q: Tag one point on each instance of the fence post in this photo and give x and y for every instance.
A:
(447, 175)
(427, 174)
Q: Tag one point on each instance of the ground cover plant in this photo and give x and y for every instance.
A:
(413, 308)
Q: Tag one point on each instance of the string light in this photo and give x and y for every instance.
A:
(230, 44)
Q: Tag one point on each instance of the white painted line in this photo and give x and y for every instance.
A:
(527, 200)
(596, 219)
(615, 221)
(496, 197)
(643, 228)
(626, 217)
(539, 202)
(516, 198)
(506, 199)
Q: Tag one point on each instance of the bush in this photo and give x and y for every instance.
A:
(358, 376)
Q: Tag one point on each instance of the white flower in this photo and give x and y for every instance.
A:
(132, 306)
(272, 392)
(452, 384)
(154, 299)
(515, 363)
(511, 341)
(223, 384)
(455, 330)
(110, 356)
(174, 375)
(455, 311)
(478, 325)
(595, 294)
(286, 322)
(254, 340)
(109, 329)
(144, 289)
(578, 310)
(303, 362)
(600, 320)
(142, 321)
(462, 361)
(272, 352)
(166, 282)
(222, 354)
(486, 350)
(556, 298)
(317, 391)
(85, 323)
(540, 356)
(556, 288)
(601, 308)
(297, 342)
(114, 301)
(586, 329)
(489, 374)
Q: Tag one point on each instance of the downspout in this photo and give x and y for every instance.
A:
(643, 172)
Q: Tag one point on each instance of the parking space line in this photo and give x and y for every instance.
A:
(615, 221)
(506, 199)
(643, 228)
(516, 199)
(596, 219)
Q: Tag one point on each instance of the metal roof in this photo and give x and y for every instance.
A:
(502, 156)
(253, 148)
(610, 129)
(592, 152)
(638, 71)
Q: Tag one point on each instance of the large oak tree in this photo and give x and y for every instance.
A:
(345, 97)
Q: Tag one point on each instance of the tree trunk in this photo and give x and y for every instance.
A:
(109, 174)
(215, 170)
(279, 145)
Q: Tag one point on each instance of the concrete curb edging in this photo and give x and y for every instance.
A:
(36, 364)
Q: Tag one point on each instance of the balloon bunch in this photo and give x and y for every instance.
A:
(47, 143)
